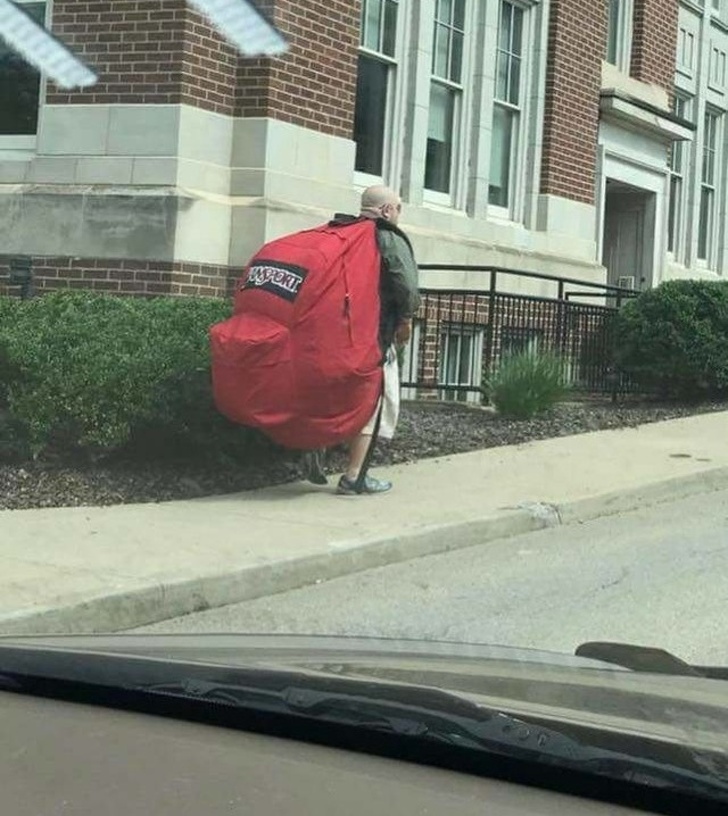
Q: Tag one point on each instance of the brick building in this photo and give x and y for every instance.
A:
(576, 137)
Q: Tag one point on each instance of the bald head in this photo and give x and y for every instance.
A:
(381, 202)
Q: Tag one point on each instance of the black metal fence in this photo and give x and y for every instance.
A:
(461, 335)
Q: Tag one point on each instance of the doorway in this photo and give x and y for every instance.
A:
(629, 235)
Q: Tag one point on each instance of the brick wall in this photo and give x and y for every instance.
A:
(146, 51)
(314, 85)
(577, 41)
(162, 51)
(125, 277)
(654, 41)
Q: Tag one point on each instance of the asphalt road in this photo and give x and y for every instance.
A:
(654, 577)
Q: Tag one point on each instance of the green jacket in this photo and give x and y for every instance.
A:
(400, 275)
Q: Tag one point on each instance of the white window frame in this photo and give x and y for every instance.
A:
(678, 225)
(475, 361)
(27, 143)
(717, 65)
(713, 187)
(396, 103)
(624, 35)
(462, 117)
(686, 49)
(514, 209)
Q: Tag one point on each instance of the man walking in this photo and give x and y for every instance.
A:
(400, 300)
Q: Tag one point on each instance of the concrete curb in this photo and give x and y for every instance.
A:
(162, 601)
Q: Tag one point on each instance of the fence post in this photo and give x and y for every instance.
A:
(490, 328)
(560, 320)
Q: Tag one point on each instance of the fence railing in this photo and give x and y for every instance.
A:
(461, 335)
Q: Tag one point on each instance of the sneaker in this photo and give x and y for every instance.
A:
(312, 465)
(347, 487)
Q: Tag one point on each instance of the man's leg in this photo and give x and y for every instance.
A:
(358, 449)
(359, 446)
(357, 454)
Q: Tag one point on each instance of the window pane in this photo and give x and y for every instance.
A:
(706, 223)
(440, 52)
(456, 69)
(500, 156)
(444, 14)
(466, 358)
(501, 79)
(390, 28)
(370, 115)
(444, 355)
(517, 38)
(440, 139)
(19, 87)
(459, 20)
(504, 42)
(673, 226)
(613, 31)
(372, 24)
(514, 95)
(676, 157)
(709, 148)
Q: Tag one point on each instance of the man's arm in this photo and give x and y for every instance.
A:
(403, 280)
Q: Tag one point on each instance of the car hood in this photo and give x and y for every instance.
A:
(548, 686)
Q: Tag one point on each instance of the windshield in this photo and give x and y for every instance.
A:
(397, 323)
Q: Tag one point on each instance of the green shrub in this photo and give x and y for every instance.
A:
(674, 339)
(527, 384)
(7, 370)
(90, 370)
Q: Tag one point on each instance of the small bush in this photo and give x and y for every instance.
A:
(8, 308)
(527, 384)
(90, 370)
(674, 339)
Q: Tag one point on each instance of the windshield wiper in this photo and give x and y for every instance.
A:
(647, 659)
(456, 722)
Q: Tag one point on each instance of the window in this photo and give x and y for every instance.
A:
(409, 363)
(708, 187)
(717, 67)
(685, 51)
(19, 86)
(517, 340)
(377, 66)
(445, 94)
(461, 361)
(619, 33)
(678, 169)
(507, 108)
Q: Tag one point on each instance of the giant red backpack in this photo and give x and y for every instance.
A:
(300, 357)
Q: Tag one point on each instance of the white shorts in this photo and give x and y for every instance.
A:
(390, 409)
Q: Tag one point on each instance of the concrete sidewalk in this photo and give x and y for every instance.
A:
(108, 569)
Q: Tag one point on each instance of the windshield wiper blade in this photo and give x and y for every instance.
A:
(647, 659)
(469, 726)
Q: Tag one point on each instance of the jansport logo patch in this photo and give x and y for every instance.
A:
(284, 280)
